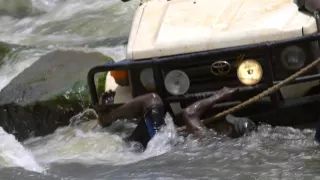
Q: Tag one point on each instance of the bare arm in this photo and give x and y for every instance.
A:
(191, 115)
(132, 109)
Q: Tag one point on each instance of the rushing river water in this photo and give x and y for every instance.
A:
(79, 152)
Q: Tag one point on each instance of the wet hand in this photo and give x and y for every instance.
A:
(107, 97)
(226, 92)
(229, 91)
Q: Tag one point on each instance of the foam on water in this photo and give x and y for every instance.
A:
(267, 153)
(46, 5)
(64, 24)
(116, 53)
(12, 153)
(69, 22)
(81, 143)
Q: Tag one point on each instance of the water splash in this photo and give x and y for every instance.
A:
(69, 22)
(81, 143)
(46, 5)
(117, 53)
(267, 153)
(12, 154)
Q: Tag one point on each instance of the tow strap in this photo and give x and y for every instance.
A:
(257, 97)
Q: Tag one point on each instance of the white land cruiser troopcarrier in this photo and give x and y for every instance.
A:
(182, 49)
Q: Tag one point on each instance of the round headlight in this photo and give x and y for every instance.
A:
(249, 72)
(177, 82)
(293, 57)
(147, 80)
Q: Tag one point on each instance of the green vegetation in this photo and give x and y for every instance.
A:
(100, 82)
(4, 50)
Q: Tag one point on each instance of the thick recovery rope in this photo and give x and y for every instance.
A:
(259, 96)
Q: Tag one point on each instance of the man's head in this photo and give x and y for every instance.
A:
(240, 125)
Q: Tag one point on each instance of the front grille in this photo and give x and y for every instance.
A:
(202, 79)
(200, 61)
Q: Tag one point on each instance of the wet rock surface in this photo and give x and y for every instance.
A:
(5, 49)
(48, 93)
(38, 119)
(17, 8)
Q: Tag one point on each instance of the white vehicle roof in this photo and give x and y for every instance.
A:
(162, 28)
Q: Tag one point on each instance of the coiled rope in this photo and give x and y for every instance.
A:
(257, 97)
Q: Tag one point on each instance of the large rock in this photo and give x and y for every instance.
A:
(38, 119)
(48, 93)
(56, 73)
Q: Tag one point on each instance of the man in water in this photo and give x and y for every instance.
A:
(150, 108)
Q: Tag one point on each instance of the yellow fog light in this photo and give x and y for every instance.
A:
(249, 72)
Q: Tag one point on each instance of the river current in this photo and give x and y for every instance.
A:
(79, 152)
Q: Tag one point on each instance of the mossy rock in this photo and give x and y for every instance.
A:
(4, 50)
(38, 118)
(11, 51)
(16, 8)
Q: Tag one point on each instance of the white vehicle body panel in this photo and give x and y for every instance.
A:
(163, 28)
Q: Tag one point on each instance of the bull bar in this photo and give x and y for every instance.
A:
(158, 63)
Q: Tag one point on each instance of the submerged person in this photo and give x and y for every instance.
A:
(150, 111)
